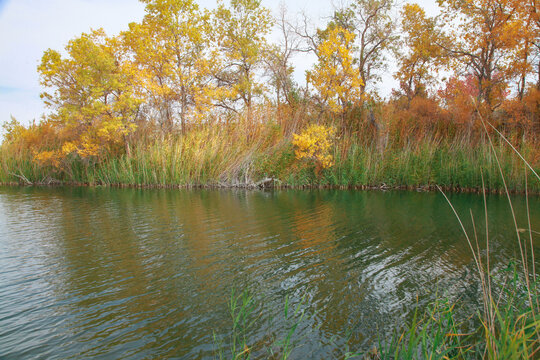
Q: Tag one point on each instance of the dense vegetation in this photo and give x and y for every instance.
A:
(190, 96)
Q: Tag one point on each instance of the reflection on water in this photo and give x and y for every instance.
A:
(111, 273)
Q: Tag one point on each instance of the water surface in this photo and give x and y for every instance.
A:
(126, 273)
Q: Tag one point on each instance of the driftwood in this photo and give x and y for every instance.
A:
(48, 181)
(266, 183)
(23, 178)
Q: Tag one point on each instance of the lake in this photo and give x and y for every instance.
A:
(130, 273)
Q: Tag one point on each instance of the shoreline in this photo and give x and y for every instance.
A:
(280, 186)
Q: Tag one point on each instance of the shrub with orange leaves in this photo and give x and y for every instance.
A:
(422, 117)
(521, 117)
(32, 137)
(458, 98)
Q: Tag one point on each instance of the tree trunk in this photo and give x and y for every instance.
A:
(538, 80)
(183, 110)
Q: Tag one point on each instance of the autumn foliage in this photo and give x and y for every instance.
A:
(313, 144)
(185, 70)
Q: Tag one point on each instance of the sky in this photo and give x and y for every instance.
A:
(29, 27)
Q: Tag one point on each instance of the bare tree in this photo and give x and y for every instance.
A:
(278, 59)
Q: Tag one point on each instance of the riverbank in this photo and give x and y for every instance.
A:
(204, 160)
(382, 187)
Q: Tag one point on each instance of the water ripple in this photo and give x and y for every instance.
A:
(107, 273)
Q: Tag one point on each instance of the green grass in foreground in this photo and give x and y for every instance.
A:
(436, 333)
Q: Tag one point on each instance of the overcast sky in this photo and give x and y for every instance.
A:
(29, 27)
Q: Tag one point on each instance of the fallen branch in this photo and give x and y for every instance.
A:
(266, 182)
(23, 178)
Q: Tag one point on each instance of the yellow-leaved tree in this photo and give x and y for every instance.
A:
(239, 34)
(94, 104)
(169, 56)
(416, 69)
(335, 77)
(375, 30)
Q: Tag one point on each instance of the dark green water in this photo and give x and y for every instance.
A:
(123, 273)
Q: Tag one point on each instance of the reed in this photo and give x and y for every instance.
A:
(231, 155)
(245, 312)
